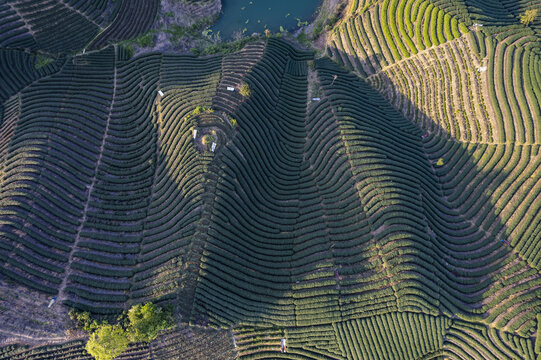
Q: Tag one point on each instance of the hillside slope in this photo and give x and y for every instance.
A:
(396, 216)
(34, 24)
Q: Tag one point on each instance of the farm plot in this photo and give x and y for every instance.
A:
(473, 85)
(310, 342)
(33, 25)
(339, 227)
(455, 237)
(13, 30)
(107, 240)
(245, 272)
(42, 190)
(442, 90)
(170, 251)
(234, 67)
(104, 226)
(393, 336)
(181, 343)
(416, 250)
(390, 31)
(19, 69)
(27, 24)
(134, 17)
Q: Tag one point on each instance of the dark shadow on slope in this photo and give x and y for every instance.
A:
(246, 273)
(135, 17)
(445, 235)
(461, 258)
(168, 262)
(464, 254)
(105, 278)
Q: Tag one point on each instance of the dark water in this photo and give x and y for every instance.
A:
(249, 16)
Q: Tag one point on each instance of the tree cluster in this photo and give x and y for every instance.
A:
(141, 323)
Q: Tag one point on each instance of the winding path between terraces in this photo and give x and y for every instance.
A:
(61, 293)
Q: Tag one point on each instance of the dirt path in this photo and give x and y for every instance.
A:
(61, 294)
(427, 52)
(26, 25)
(31, 339)
(80, 13)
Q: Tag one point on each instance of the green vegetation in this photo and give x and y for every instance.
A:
(84, 321)
(107, 342)
(302, 38)
(42, 61)
(146, 321)
(141, 323)
(143, 41)
(528, 17)
(178, 32)
(394, 216)
(209, 48)
(146, 40)
(232, 121)
(207, 139)
(200, 110)
(245, 90)
(318, 29)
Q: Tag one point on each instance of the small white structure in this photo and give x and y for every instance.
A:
(213, 147)
(84, 50)
(160, 92)
(283, 346)
(229, 88)
(476, 24)
(316, 99)
(51, 302)
(194, 133)
(234, 343)
(481, 69)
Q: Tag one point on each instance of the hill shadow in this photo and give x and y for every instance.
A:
(462, 259)
(477, 270)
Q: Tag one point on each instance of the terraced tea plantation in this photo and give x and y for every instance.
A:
(377, 199)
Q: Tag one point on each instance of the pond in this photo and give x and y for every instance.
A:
(254, 16)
